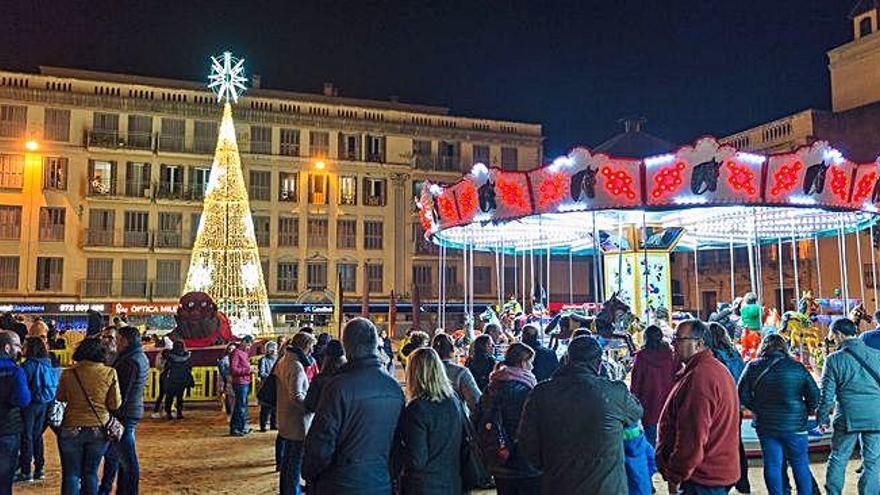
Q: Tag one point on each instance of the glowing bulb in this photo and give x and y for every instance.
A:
(32, 145)
(320, 165)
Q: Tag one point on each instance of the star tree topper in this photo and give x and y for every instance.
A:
(227, 77)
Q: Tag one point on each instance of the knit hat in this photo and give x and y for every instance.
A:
(584, 349)
(334, 349)
(271, 346)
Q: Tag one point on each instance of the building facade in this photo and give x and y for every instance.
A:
(102, 178)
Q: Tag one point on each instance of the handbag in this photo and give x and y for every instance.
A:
(55, 414)
(113, 428)
(268, 392)
(474, 474)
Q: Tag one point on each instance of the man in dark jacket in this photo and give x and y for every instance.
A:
(546, 363)
(131, 369)
(14, 395)
(349, 443)
(572, 425)
(698, 434)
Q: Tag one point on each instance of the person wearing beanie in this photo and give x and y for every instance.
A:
(334, 358)
(267, 363)
(580, 451)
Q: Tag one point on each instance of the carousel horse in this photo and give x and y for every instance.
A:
(802, 335)
(606, 324)
(859, 314)
(808, 305)
(489, 316)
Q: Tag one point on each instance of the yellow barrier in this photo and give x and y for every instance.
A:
(64, 356)
(206, 388)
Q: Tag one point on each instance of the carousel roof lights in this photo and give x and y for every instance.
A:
(834, 156)
(659, 160)
(751, 158)
(479, 169)
(559, 163)
(798, 199)
(435, 189)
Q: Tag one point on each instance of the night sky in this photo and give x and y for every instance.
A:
(691, 67)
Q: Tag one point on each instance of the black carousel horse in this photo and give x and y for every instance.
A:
(583, 183)
(705, 176)
(486, 194)
(814, 179)
(604, 324)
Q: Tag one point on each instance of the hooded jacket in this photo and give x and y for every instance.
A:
(653, 375)
(178, 372)
(783, 399)
(503, 402)
(240, 367)
(131, 368)
(42, 379)
(850, 389)
(14, 395)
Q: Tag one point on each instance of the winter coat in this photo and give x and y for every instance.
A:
(481, 365)
(545, 363)
(266, 364)
(102, 387)
(639, 460)
(42, 379)
(14, 395)
(698, 433)
(316, 386)
(240, 367)
(503, 403)
(131, 368)
(432, 436)
(464, 385)
(653, 375)
(850, 387)
(732, 361)
(784, 397)
(349, 443)
(291, 388)
(572, 430)
(178, 372)
(872, 338)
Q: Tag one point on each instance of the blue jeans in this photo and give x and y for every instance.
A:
(651, 434)
(791, 448)
(842, 444)
(81, 451)
(34, 417)
(121, 456)
(8, 461)
(240, 419)
(291, 466)
(691, 488)
(279, 452)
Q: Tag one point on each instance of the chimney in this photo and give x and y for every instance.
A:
(255, 81)
(330, 90)
(633, 124)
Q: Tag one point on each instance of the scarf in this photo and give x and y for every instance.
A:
(305, 360)
(513, 374)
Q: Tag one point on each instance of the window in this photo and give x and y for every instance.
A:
(260, 186)
(198, 182)
(509, 159)
(349, 146)
(99, 277)
(137, 179)
(372, 234)
(316, 230)
(864, 26)
(171, 181)
(346, 234)
(102, 178)
(288, 186)
(261, 140)
(422, 155)
(172, 135)
(374, 277)
(9, 273)
(319, 143)
(10, 222)
(448, 156)
(375, 149)
(51, 224)
(170, 230)
(55, 173)
(134, 278)
(140, 132)
(420, 244)
(11, 171)
(288, 232)
(136, 233)
(204, 136)
(101, 225)
(348, 190)
(422, 279)
(481, 154)
(347, 273)
(288, 276)
(56, 125)
(168, 278)
(482, 280)
(105, 130)
(316, 275)
(13, 121)
(50, 272)
(194, 220)
(318, 186)
(374, 192)
(261, 230)
(290, 142)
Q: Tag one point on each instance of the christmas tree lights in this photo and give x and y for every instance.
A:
(225, 260)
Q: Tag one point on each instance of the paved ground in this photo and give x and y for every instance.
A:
(194, 456)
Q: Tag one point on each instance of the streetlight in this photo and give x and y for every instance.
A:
(31, 145)
(320, 165)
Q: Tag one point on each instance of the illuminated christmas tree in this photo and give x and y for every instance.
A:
(225, 261)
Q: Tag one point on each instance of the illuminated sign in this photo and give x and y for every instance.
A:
(145, 308)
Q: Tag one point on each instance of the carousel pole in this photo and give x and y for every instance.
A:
(465, 288)
(497, 277)
(619, 252)
(873, 265)
(570, 278)
(697, 279)
(843, 270)
(441, 293)
(515, 275)
(595, 257)
(781, 280)
(861, 265)
(752, 274)
(818, 267)
(646, 275)
(548, 279)
(503, 275)
(794, 261)
(471, 286)
(523, 270)
(732, 278)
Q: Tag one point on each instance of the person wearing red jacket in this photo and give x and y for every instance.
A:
(653, 374)
(240, 372)
(698, 445)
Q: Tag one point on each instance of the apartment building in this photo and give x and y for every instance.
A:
(102, 178)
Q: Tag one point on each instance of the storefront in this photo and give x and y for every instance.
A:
(147, 315)
(67, 316)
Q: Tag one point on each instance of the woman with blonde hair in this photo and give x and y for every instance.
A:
(432, 427)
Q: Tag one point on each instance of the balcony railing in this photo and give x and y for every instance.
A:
(138, 189)
(288, 240)
(376, 157)
(262, 237)
(167, 288)
(101, 187)
(10, 232)
(374, 201)
(103, 138)
(260, 193)
(170, 190)
(288, 195)
(261, 147)
(139, 140)
(171, 142)
(99, 237)
(51, 233)
(136, 289)
(204, 145)
(12, 129)
(289, 149)
(168, 239)
(135, 238)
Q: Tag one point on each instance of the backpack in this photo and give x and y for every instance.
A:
(491, 437)
(44, 383)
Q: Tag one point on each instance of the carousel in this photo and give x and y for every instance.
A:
(629, 216)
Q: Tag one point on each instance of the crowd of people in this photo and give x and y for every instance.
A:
(505, 412)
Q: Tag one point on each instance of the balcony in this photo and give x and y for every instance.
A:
(262, 237)
(130, 288)
(103, 138)
(168, 239)
(289, 149)
(49, 283)
(52, 233)
(99, 186)
(99, 238)
(135, 288)
(376, 157)
(96, 288)
(135, 238)
(10, 232)
(288, 195)
(167, 288)
(171, 142)
(424, 246)
(261, 147)
(448, 163)
(12, 129)
(423, 161)
(374, 201)
(139, 140)
(204, 145)
(260, 193)
(138, 189)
